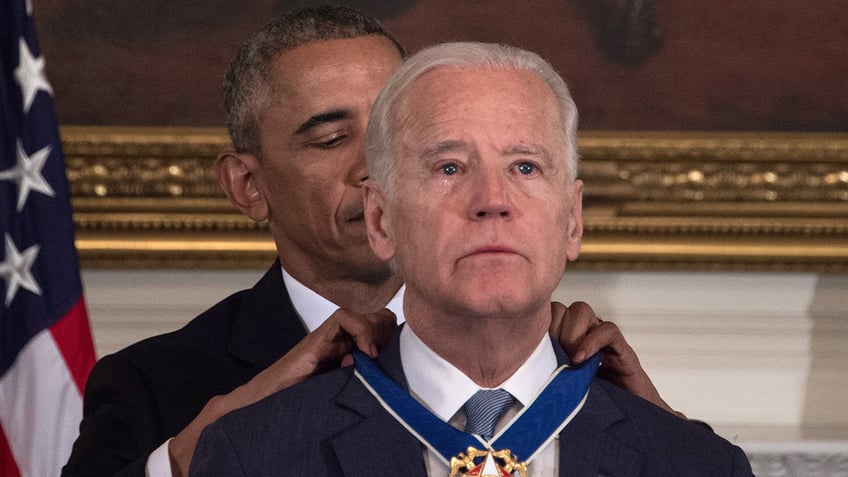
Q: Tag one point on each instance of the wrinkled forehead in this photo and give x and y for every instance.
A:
(514, 105)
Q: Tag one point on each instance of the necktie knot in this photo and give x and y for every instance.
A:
(483, 410)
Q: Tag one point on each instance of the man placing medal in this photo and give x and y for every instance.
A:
(473, 198)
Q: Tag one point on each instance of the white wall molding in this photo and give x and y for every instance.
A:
(127, 306)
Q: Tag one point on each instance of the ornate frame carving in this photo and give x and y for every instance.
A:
(147, 197)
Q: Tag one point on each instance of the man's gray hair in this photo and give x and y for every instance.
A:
(248, 88)
(382, 123)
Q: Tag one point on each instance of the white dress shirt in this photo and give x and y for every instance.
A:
(443, 389)
(312, 309)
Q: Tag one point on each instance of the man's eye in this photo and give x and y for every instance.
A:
(450, 169)
(330, 143)
(526, 168)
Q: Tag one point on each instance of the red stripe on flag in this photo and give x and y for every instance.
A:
(8, 467)
(73, 337)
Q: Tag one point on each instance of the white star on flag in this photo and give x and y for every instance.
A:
(27, 173)
(16, 269)
(30, 75)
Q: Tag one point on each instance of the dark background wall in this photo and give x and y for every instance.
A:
(652, 65)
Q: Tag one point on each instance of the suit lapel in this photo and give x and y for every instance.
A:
(266, 325)
(378, 445)
(586, 447)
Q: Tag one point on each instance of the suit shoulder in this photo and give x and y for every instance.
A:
(314, 427)
(297, 419)
(670, 438)
(303, 401)
(648, 417)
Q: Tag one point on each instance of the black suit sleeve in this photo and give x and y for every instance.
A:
(119, 428)
(141, 396)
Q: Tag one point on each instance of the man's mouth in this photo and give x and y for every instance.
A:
(491, 250)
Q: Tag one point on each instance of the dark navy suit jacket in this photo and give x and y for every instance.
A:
(332, 426)
(140, 396)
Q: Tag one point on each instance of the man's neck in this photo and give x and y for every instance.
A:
(355, 295)
(488, 350)
(444, 389)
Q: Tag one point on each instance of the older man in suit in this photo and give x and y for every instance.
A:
(474, 199)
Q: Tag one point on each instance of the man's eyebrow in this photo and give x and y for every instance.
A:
(444, 146)
(459, 145)
(322, 118)
(529, 149)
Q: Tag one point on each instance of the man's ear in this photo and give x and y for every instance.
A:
(377, 223)
(236, 176)
(575, 222)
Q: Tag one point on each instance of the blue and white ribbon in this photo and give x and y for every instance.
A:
(525, 435)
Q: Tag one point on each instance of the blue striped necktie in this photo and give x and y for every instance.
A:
(483, 409)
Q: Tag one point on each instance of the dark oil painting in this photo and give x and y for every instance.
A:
(697, 65)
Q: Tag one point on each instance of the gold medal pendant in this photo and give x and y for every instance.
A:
(485, 463)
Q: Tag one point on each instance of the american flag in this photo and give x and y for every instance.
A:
(46, 349)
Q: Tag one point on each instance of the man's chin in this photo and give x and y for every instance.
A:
(485, 306)
(373, 271)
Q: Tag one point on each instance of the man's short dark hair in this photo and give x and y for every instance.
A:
(247, 89)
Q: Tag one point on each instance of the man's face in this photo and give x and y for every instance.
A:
(313, 160)
(483, 215)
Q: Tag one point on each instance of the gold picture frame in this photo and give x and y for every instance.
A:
(148, 198)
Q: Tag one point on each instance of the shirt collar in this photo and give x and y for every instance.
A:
(314, 309)
(443, 388)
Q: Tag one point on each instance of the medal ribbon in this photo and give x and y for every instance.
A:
(533, 427)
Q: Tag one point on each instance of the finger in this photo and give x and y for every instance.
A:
(383, 325)
(326, 345)
(580, 310)
(579, 318)
(369, 331)
(619, 356)
(558, 311)
(604, 336)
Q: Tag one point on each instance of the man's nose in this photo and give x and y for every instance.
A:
(491, 197)
(358, 171)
